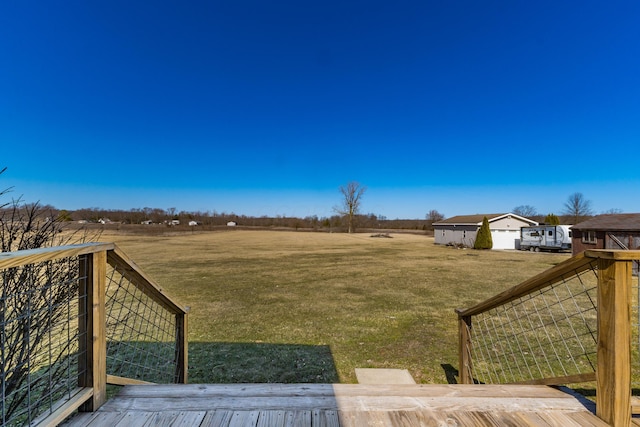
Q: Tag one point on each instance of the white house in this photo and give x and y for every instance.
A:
(462, 229)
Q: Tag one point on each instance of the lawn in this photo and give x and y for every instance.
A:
(272, 306)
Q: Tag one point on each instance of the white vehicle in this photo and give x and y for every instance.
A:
(545, 237)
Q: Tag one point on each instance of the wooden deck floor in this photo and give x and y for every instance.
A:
(339, 405)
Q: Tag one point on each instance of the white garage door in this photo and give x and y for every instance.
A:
(504, 239)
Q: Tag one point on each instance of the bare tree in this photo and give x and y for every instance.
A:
(434, 216)
(577, 207)
(30, 226)
(526, 211)
(351, 198)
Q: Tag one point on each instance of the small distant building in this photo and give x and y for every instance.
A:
(193, 223)
(609, 231)
(232, 224)
(462, 230)
(174, 222)
(146, 222)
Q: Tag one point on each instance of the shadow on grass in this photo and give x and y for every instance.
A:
(450, 373)
(260, 363)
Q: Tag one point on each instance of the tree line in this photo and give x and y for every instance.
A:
(575, 209)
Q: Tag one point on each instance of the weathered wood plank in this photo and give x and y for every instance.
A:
(220, 418)
(325, 418)
(176, 419)
(346, 397)
(189, 391)
(244, 418)
(586, 418)
(235, 403)
(135, 419)
(95, 419)
(272, 418)
(298, 418)
(351, 405)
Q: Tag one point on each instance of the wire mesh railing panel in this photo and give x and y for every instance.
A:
(41, 310)
(142, 341)
(549, 333)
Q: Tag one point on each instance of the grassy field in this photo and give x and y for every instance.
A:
(311, 307)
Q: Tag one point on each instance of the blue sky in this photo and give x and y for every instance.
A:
(267, 108)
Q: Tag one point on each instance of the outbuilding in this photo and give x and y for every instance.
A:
(608, 231)
(462, 229)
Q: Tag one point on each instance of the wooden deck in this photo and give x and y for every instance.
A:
(339, 405)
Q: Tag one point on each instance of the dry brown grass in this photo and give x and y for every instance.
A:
(311, 307)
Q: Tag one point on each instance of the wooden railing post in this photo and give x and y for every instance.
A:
(613, 376)
(182, 356)
(465, 375)
(95, 365)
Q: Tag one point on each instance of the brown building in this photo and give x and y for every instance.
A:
(610, 231)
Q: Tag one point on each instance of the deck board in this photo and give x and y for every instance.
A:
(346, 405)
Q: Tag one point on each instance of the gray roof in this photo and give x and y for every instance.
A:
(611, 222)
(469, 219)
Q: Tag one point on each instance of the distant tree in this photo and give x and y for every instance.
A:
(64, 215)
(612, 211)
(577, 207)
(351, 199)
(552, 219)
(434, 216)
(526, 211)
(483, 238)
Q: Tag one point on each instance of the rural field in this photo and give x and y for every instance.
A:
(268, 306)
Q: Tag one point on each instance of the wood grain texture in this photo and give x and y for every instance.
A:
(613, 379)
(346, 405)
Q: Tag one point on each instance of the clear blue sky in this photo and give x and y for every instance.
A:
(267, 107)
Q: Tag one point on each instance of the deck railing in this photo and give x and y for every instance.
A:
(76, 318)
(570, 324)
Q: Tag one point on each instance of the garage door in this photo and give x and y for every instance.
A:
(504, 239)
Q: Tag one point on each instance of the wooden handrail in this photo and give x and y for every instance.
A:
(33, 256)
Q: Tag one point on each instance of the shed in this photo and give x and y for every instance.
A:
(462, 229)
(608, 231)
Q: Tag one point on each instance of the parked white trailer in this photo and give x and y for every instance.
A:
(545, 237)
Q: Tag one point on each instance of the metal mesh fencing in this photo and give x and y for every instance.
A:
(142, 338)
(42, 306)
(550, 333)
